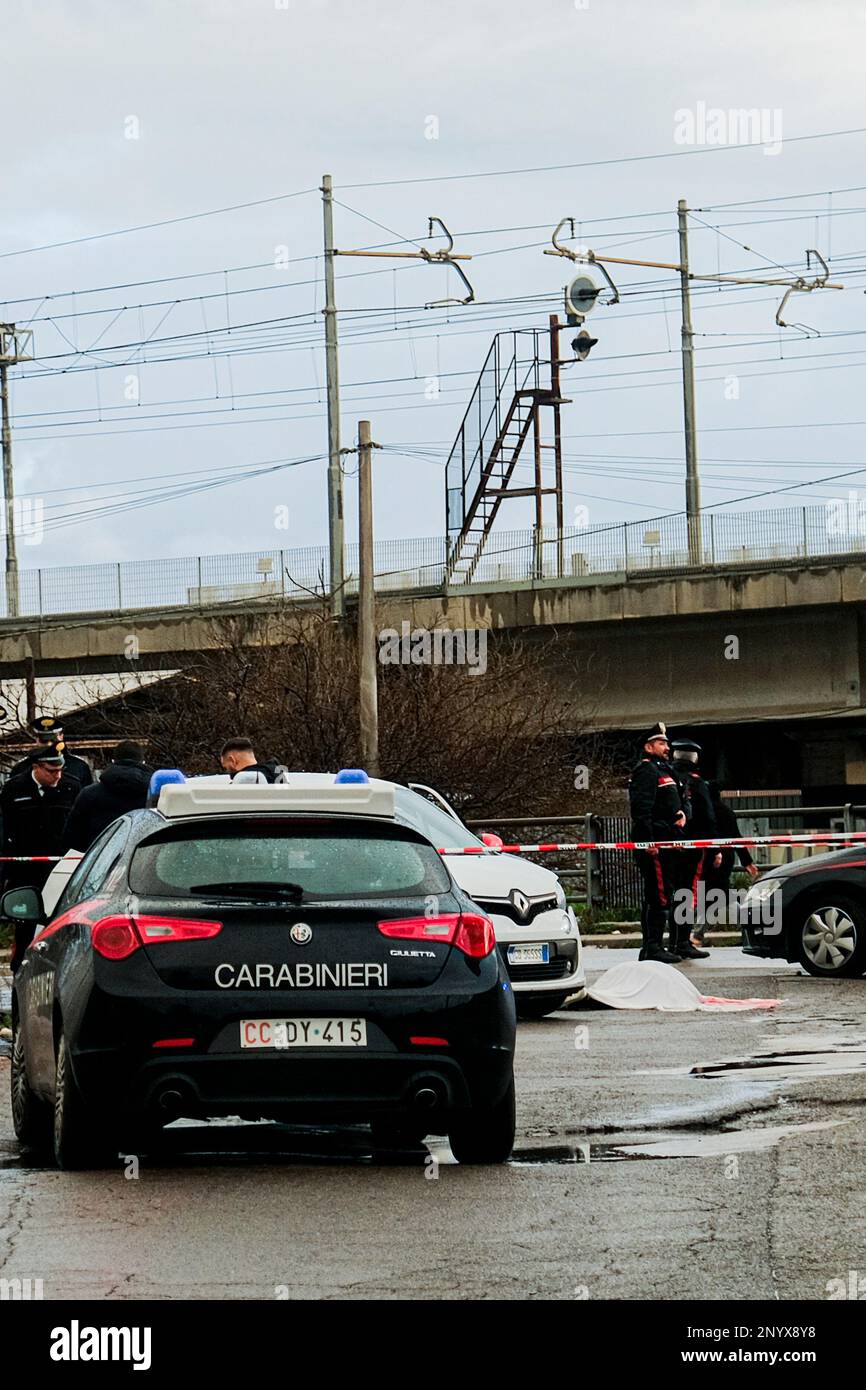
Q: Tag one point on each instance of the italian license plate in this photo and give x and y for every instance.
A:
(304, 1032)
(538, 953)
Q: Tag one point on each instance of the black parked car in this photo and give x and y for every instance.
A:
(812, 911)
(209, 959)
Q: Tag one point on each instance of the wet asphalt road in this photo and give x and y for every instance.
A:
(741, 1183)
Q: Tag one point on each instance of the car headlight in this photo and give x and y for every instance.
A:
(763, 889)
(561, 900)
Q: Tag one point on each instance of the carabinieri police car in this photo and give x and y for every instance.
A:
(284, 952)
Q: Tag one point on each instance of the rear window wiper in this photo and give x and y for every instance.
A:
(254, 888)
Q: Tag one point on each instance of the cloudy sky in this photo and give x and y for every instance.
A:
(179, 367)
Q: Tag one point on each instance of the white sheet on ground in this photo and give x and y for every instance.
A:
(650, 984)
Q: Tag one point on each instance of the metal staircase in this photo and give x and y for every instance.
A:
(504, 408)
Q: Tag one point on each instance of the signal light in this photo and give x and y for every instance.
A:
(582, 345)
(581, 295)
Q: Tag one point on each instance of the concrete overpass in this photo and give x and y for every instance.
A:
(750, 642)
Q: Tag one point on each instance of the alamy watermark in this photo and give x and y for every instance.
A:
(28, 518)
(21, 1289)
(853, 1287)
(711, 125)
(440, 646)
(714, 907)
(846, 516)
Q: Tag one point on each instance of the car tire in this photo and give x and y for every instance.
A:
(536, 1006)
(486, 1134)
(31, 1116)
(79, 1139)
(830, 937)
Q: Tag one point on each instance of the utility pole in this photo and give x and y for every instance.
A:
(794, 284)
(30, 690)
(368, 694)
(12, 345)
(693, 484)
(336, 542)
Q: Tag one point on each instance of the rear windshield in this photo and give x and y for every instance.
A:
(332, 862)
(433, 822)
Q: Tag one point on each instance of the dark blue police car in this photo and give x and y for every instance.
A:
(291, 953)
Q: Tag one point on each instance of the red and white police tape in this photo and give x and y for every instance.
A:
(842, 837)
(30, 858)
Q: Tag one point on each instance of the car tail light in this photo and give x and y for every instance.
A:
(159, 929)
(118, 937)
(174, 1042)
(115, 938)
(475, 935)
(442, 928)
(468, 931)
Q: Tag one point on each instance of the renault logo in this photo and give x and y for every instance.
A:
(301, 933)
(519, 902)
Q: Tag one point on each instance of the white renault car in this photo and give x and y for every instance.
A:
(536, 930)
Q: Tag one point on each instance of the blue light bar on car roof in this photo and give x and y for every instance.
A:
(163, 777)
(349, 775)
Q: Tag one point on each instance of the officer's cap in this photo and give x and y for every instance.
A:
(685, 745)
(47, 757)
(658, 730)
(47, 729)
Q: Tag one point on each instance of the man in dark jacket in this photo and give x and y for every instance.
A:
(701, 825)
(238, 755)
(718, 866)
(35, 806)
(121, 788)
(657, 813)
(49, 732)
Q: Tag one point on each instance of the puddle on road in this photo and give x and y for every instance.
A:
(715, 1145)
(798, 1058)
(676, 1145)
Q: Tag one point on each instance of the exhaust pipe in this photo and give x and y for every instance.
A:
(425, 1098)
(171, 1103)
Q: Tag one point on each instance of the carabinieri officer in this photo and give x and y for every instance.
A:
(657, 813)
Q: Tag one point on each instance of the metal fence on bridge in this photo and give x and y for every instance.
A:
(627, 549)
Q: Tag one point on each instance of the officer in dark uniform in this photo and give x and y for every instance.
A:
(49, 732)
(657, 813)
(689, 866)
(719, 864)
(35, 805)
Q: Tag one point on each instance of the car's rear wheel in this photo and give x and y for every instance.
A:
(31, 1116)
(485, 1135)
(538, 1005)
(80, 1140)
(831, 938)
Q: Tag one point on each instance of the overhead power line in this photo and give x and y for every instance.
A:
(163, 222)
(598, 163)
